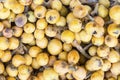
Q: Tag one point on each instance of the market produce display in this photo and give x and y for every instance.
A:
(59, 39)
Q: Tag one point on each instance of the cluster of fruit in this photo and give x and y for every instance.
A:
(59, 40)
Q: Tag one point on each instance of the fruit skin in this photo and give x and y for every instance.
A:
(111, 41)
(114, 14)
(96, 62)
(2, 68)
(42, 59)
(115, 68)
(80, 73)
(41, 24)
(4, 44)
(29, 28)
(12, 70)
(98, 75)
(34, 51)
(102, 11)
(113, 30)
(113, 56)
(39, 34)
(61, 67)
(56, 4)
(80, 11)
(20, 20)
(52, 16)
(73, 57)
(50, 74)
(17, 60)
(67, 36)
(27, 38)
(38, 2)
(4, 13)
(54, 47)
(40, 11)
(75, 25)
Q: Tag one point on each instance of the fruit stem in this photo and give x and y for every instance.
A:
(80, 49)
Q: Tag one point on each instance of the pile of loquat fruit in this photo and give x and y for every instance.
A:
(59, 39)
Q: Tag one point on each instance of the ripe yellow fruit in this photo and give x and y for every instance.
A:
(4, 44)
(1, 53)
(92, 50)
(13, 43)
(56, 4)
(106, 65)
(6, 56)
(52, 16)
(75, 25)
(18, 60)
(63, 56)
(27, 38)
(2, 68)
(18, 8)
(73, 57)
(61, 67)
(113, 30)
(42, 43)
(10, 4)
(80, 11)
(39, 2)
(99, 20)
(17, 31)
(103, 51)
(35, 64)
(29, 28)
(39, 34)
(4, 13)
(12, 70)
(65, 2)
(61, 22)
(84, 36)
(41, 23)
(67, 47)
(50, 74)
(34, 51)
(98, 41)
(106, 3)
(74, 3)
(70, 17)
(54, 47)
(115, 68)
(111, 41)
(67, 36)
(102, 11)
(98, 75)
(114, 14)
(42, 59)
(96, 62)
(50, 31)
(80, 73)
(25, 2)
(113, 56)
(28, 59)
(40, 11)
